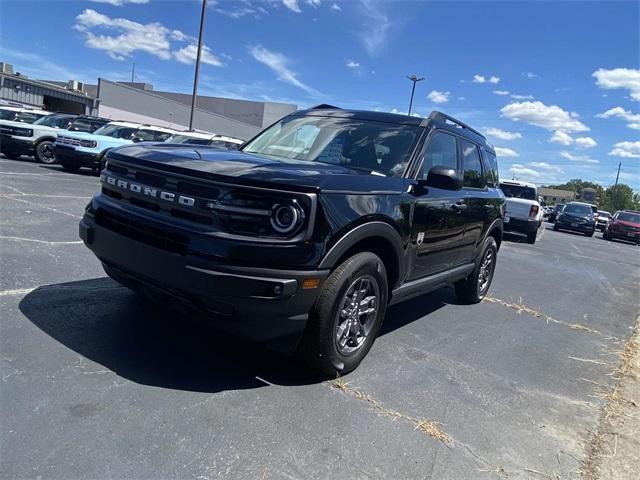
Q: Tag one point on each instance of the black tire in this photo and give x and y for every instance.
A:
(531, 237)
(605, 235)
(555, 228)
(475, 287)
(590, 234)
(44, 152)
(320, 345)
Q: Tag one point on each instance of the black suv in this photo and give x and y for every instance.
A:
(304, 236)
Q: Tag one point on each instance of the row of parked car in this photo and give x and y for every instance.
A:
(586, 218)
(77, 141)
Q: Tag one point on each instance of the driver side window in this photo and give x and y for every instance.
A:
(441, 150)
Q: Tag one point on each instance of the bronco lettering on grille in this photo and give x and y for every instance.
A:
(147, 191)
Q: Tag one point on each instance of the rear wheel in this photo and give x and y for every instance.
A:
(45, 153)
(347, 315)
(475, 287)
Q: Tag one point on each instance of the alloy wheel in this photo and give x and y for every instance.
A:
(357, 314)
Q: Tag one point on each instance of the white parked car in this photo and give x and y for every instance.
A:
(203, 138)
(603, 220)
(523, 213)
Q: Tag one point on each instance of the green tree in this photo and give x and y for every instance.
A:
(620, 198)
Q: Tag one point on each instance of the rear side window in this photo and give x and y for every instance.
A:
(471, 165)
(81, 125)
(493, 178)
(442, 150)
(162, 136)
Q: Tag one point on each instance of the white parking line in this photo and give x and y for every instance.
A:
(20, 193)
(14, 198)
(16, 291)
(46, 242)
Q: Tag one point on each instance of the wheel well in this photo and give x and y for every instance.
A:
(48, 139)
(497, 234)
(383, 249)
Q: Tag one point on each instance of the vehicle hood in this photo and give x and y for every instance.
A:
(627, 224)
(42, 128)
(576, 216)
(239, 167)
(91, 136)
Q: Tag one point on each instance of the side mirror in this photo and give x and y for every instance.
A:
(444, 177)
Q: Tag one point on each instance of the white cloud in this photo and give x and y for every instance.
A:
(626, 150)
(352, 64)
(375, 28)
(546, 167)
(585, 142)
(292, 5)
(537, 113)
(119, 3)
(240, 9)
(522, 97)
(506, 152)
(627, 78)
(189, 53)
(521, 170)
(482, 79)
(438, 97)
(314, 3)
(336, 8)
(279, 64)
(563, 138)
(399, 112)
(578, 158)
(632, 118)
(502, 134)
(120, 38)
(529, 74)
(501, 92)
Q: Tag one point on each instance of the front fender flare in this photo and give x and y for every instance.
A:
(362, 232)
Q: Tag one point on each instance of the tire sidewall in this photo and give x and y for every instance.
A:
(360, 264)
(39, 157)
(489, 243)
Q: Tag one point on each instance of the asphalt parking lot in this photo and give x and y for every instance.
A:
(97, 383)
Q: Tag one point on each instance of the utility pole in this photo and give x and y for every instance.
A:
(197, 73)
(133, 71)
(615, 189)
(415, 79)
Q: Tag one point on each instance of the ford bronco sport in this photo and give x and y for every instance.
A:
(303, 237)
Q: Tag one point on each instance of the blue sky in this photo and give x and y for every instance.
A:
(556, 85)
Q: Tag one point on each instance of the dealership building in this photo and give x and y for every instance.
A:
(139, 102)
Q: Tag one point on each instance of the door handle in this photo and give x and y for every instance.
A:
(459, 206)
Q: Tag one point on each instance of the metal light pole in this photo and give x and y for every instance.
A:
(615, 188)
(415, 79)
(197, 73)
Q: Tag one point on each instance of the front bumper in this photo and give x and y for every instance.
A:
(624, 235)
(522, 226)
(18, 145)
(73, 158)
(257, 304)
(575, 226)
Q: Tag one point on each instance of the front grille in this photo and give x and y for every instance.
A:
(68, 141)
(141, 232)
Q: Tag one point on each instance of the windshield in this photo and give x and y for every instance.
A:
(29, 117)
(116, 131)
(604, 214)
(364, 145)
(52, 120)
(7, 114)
(629, 217)
(518, 191)
(577, 209)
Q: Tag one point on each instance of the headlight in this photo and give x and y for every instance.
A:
(285, 218)
(17, 131)
(88, 143)
(264, 215)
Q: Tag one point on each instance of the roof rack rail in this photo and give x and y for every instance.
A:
(443, 117)
(324, 106)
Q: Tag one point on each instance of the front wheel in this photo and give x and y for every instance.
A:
(590, 234)
(531, 237)
(475, 287)
(347, 315)
(45, 152)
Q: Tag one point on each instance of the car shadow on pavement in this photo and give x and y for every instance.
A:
(83, 172)
(152, 345)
